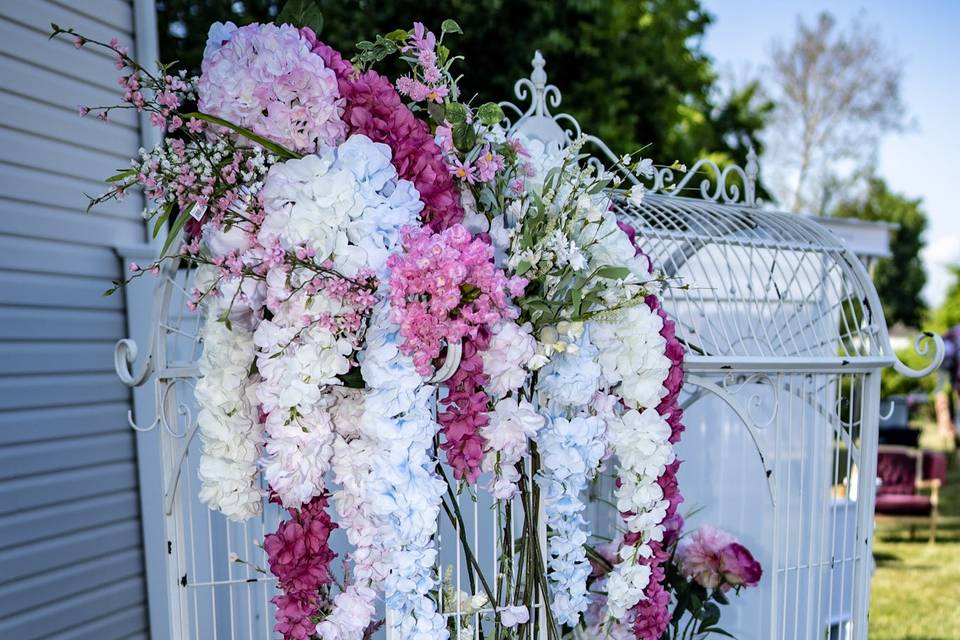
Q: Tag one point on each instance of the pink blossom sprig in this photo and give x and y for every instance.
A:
(299, 555)
(444, 287)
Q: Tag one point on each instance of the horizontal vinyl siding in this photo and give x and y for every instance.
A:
(71, 558)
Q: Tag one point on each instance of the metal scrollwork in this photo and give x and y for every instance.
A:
(723, 391)
(537, 121)
(921, 346)
(734, 384)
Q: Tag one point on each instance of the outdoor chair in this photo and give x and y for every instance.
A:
(904, 474)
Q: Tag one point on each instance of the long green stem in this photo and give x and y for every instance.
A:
(456, 518)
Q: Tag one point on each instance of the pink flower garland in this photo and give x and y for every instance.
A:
(652, 615)
(299, 555)
(375, 109)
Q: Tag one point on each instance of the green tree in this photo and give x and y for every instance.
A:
(947, 315)
(631, 71)
(901, 277)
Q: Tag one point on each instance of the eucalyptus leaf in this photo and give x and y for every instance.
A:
(302, 13)
(398, 35)
(455, 112)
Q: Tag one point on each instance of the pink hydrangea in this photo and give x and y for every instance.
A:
(374, 108)
(445, 288)
(265, 78)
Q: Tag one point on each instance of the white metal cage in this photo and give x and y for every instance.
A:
(786, 340)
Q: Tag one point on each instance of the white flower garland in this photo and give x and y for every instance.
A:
(513, 423)
(633, 354)
(228, 423)
(346, 206)
(641, 443)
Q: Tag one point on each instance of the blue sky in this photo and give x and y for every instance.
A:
(925, 35)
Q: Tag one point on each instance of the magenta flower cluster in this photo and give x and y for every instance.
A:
(375, 109)
(299, 555)
(466, 411)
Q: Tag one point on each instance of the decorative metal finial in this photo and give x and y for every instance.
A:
(538, 77)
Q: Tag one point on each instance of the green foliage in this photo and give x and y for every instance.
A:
(948, 314)
(900, 278)
(631, 71)
(302, 13)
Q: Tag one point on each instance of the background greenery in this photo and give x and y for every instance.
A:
(631, 71)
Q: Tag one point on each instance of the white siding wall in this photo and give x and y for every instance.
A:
(71, 560)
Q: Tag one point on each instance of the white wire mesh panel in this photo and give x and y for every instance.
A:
(793, 483)
(756, 284)
(211, 593)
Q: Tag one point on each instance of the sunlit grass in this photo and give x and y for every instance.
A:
(915, 593)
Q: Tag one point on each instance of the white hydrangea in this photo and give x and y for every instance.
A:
(308, 202)
(504, 361)
(633, 354)
(513, 423)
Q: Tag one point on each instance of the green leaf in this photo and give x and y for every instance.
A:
(613, 273)
(450, 26)
(720, 597)
(126, 173)
(162, 219)
(490, 113)
(464, 137)
(455, 113)
(278, 149)
(175, 229)
(302, 13)
(711, 615)
(522, 268)
(398, 35)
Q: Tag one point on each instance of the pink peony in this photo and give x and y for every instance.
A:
(716, 560)
(739, 566)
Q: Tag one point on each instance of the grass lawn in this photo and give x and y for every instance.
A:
(915, 593)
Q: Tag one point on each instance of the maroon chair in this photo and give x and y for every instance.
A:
(903, 473)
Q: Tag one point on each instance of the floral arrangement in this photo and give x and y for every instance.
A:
(394, 285)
